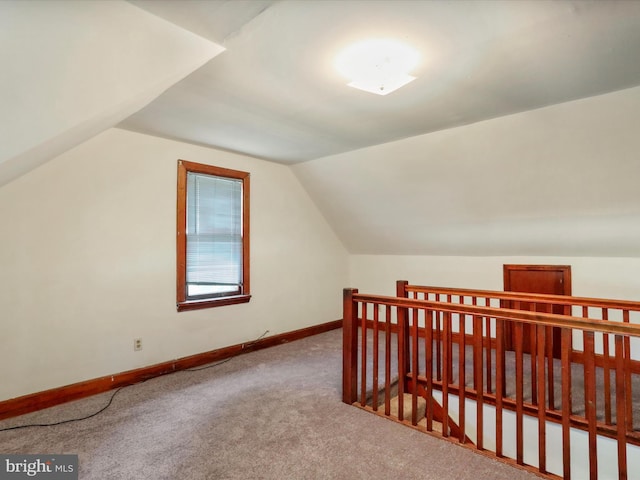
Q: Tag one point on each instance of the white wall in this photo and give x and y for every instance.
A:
(88, 263)
(617, 278)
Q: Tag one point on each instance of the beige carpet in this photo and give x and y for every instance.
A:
(270, 414)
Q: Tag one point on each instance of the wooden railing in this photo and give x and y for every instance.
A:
(449, 344)
(588, 308)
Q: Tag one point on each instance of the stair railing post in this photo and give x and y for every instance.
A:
(349, 346)
(401, 291)
(401, 288)
(404, 365)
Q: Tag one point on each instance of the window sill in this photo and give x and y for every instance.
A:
(212, 302)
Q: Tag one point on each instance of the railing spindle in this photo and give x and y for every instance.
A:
(438, 342)
(449, 346)
(606, 358)
(403, 348)
(519, 395)
(590, 401)
(548, 354)
(621, 401)
(376, 353)
(566, 402)
(461, 375)
(445, 374)
(627, 374)
(499, 383)
(551, 402)
(478, 373)
(534, 363)
(414, 368)
(428, 353)
(542, 411)
(363, 353)
(488, 353)
(387, 361)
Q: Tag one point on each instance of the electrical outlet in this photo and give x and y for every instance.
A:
(137, 344)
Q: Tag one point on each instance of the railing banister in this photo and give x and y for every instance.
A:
(349, 346)
(554, 320)
(530, 297)
(442, 315)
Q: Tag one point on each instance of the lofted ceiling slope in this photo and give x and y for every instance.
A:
(274, 93)
(73, 69)
(556, 181)
(519, 136)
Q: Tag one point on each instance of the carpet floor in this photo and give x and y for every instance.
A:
(270, 414)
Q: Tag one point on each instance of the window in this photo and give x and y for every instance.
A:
(213, 236)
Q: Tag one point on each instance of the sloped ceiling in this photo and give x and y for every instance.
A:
(508, 143)
(73, 69)
(519, 137)
(557, 181)
(275, 94)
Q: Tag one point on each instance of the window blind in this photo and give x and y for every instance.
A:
(214, 235)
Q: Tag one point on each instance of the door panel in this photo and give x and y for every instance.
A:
(549, 279)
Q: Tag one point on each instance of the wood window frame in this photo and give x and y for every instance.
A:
(183, 303)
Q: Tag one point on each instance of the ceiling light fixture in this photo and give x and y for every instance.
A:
(377, 66)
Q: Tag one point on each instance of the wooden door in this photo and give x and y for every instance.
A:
(551, 279)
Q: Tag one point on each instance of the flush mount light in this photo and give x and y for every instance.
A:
(377, 66)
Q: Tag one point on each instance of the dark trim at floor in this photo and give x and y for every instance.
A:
(56, 396)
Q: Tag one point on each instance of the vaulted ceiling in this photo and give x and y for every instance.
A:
(477, 156)
(274, 92)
